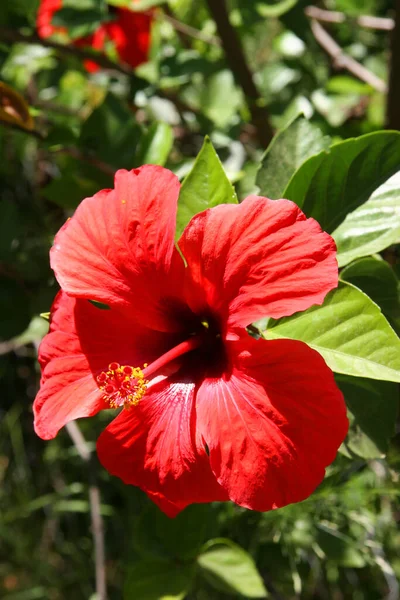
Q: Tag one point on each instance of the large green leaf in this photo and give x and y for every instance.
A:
(157, 536)
(374, 406)
(332, 184)
(206, 185)
(349, 331)
(158, 580)
(340, 548)
(111, 134)
(377, 279)
(373, 226)
(220, 98)
(286, 153)
(230, 569)
(155, 145)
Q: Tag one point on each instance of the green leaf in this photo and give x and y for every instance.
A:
(79, 23)
(339, 548)
(137, 5)
(35, 331)
(111, 134)
(349, 331)
(374, 405)
(269, 8)
(288, 150)
(221, 98)
(69, 190)
(157, 536)
(158, 580)
(205, 186)
(373, 226)
(376, 278)
(332, 184)
(155, 145)
(99, 305)
(230, 569)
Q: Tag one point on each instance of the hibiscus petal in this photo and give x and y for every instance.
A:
(153, 446)
(273, 424)
(130, 33)
(118, 246)
(256, 259)
(83, 340)
(45, 14)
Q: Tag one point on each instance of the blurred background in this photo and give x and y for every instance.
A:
(168, 75)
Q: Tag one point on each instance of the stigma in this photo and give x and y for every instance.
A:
(122, 386)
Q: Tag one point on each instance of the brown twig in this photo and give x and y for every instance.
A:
(32, 132)
(332, 16)
(95, 509)
(236, 59)
(9, 35)
(49, 106)
(188, 30)
(87, 158)
(341, 60)
(393, 101)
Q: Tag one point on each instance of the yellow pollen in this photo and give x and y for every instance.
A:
(123, 201)
(123, 386)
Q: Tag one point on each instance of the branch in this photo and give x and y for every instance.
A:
(70, 151)
(236, 59)
(188, 30)
(95, 509)
(344, 61)
(393, 101)
(87, 158)
(331, 16)
(32, 132)
(9, 35)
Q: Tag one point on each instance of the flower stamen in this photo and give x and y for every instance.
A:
(123, 386)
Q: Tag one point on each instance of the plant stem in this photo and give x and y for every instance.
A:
(342, 60)
(95, 509)
(237, 62)
(333, 16)
(11, 35)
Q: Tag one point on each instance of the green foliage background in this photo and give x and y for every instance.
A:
(343, 542)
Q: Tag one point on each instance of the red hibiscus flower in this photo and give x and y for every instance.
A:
(129, 32)
(208, 412)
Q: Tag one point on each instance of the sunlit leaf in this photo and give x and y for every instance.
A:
(373, 226)
(374, 405)
(230, 569)
(137, 5)
(332, 184)
(271, 8)
(376, 278)
(158, 580)
(206, 185)
(349, 331)
(288, 150)
(155, 145)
